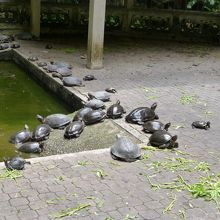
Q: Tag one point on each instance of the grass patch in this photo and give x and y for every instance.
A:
(82, 163)
(100, 173)
(187, 99)
(69, 211)
(54, 201)
(170, 205)
(10, 174)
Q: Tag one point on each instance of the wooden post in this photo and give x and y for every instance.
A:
(126, 19)
(35, 17)
(96, 34)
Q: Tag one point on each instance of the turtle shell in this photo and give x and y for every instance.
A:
(41, 132)
(163, 139)
(33, 58)
(31, 147)
(95, 104)
(4, 46)
(125, 149)
(152, 126)
(94, 117)
(115, 111)
(74, 129)
(21, 136)
(55, 120)
(16, 163)
(4, 38)
(201, 124)
(142, 114)
(70, 81)
(100, 95)
(81, 113)
(51, 68)
(64, 71)
(89, 78)
(42, 64)
(62, 64)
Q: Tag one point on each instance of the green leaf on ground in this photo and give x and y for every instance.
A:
(170, 205)
(11, 174)
(100, 173)
(187, 99)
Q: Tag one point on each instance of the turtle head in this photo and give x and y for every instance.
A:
(118, 102)
(153, 106)
(208, 124)
(40, 118)
(26, 127)
(90, 96)
(6, 163)
(167, 126)
(174, 144)
(41, 146)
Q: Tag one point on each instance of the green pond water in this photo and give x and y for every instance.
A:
(21, 99)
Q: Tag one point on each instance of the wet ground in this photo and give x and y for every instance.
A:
(184, 80)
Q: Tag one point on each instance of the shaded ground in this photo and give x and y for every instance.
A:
(184, 80)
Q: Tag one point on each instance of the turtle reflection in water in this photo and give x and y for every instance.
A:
(125, 150)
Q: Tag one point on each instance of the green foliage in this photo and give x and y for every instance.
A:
(187, 99)
(207, 5)
(11, 174)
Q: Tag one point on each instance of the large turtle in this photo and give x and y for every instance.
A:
(31, 147)
(70, 81)
(124, 149)
(56, 121)
(74, 129)
(142, 114)
(50, 68)
(201, 124)
(62, 64)
(115, 111)
(16, 163)
(100, 95)
(21, 136)
(163, 139)
(64, 71)
(95, 104)
(41, 132)
(152, 126)
(81, 113)
(94, 117)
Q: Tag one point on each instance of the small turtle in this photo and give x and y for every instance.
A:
(61, 64)
(42, 64)
(201, 124)
(21, 136)
(100, 95)
(152, 126)
(95, 104)
(81, 113)
(48, 46)
(125, 150)
(74, 129)
(111, 90)
(142, 114)
(115, 111)
(33, 58)
(94, 117)
(41, 132)
(4, 46)
(56, 121)
(89, 78)
(31, 147)
(16, 163)
(162, 139)
(14, 45)
(70, 81)
(64, 71)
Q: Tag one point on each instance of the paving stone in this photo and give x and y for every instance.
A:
(19, 202)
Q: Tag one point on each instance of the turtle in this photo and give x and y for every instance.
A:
(50, 68)
(70, 81)
(201, 124)
(31, 147)
(64, 71)
(14, 45)
(41, 132)
(89, 78)
(16, 163)
(74, 129)
(42, 64)
(115, 111)
(61, 64)
(152, 126)
(25, 36)
(124, 149)
(142, 114)
(48, 46)
(33, 58)
(4, 46)
(5, 38)
(163, 139)
(81, 113)
(100, 95)
(21, 136)
(56, 121)
(95, 104)
(94, 117)
(111, 90)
